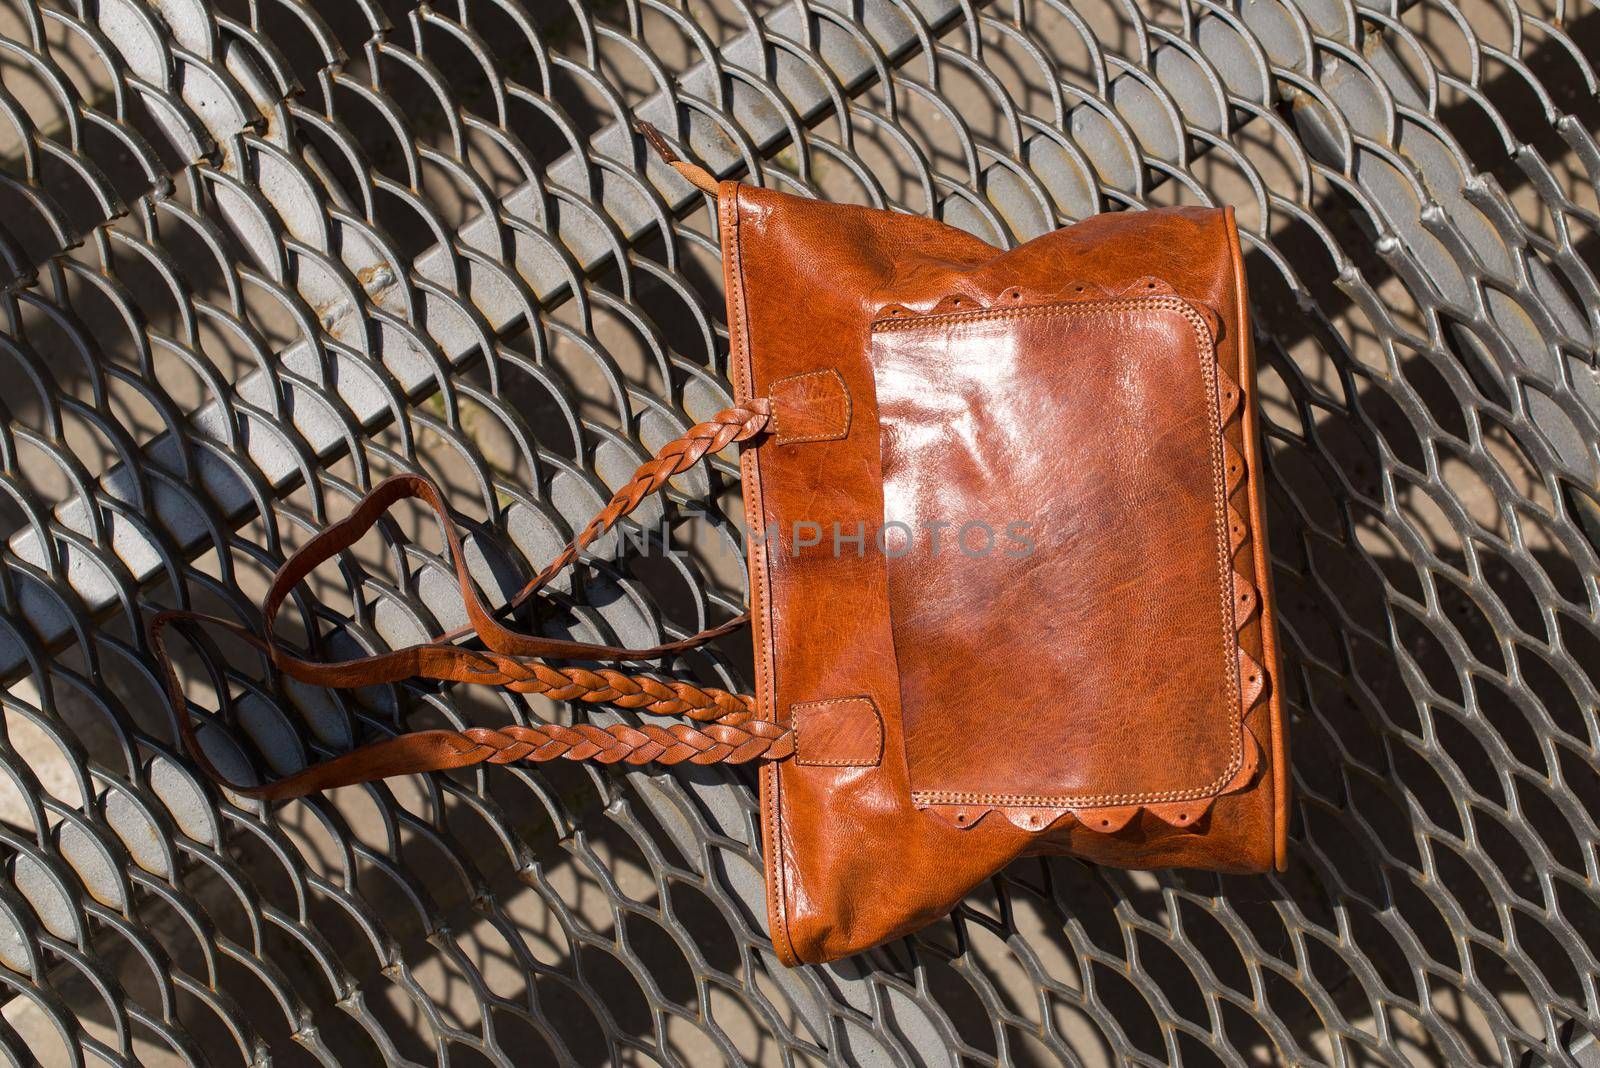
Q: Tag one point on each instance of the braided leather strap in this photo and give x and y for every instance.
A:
(717, 433)
(661, 697)
(730, 732)
(620, 743)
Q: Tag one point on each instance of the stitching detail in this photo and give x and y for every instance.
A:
(1033, 311)
(1207, 347)
(739, 357)
(777, 907)
(825, 435)
(877, 718)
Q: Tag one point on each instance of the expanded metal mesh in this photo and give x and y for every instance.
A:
(258, 254)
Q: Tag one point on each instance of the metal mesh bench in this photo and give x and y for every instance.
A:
(258, 254)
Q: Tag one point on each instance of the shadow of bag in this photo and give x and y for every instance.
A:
(1009, 590)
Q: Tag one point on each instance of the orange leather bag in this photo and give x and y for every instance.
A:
(1008, 575)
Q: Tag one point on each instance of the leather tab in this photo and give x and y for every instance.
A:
(1108, 819)
(1238, 530)
(961, 817)
(845, 732)
(1252, 680)
(1035, 820)
(814, 406)
(1232, 466)
(1245, 600)
(1229, 395)
(1181, 813)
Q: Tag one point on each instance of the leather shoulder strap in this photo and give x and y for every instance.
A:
(727, 729)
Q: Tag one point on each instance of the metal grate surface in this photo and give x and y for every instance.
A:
(258, 254)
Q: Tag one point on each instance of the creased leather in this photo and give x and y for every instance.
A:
(851, 857)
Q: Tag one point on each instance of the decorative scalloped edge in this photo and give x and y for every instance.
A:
(1105, 819)
(1070, 293)
(1109, 819)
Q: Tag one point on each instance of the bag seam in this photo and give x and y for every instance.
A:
(739, 353)
(1251, 440)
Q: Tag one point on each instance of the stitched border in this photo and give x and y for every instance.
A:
(877, 717)
(1207, 349)
(750, 478)
(826, 435)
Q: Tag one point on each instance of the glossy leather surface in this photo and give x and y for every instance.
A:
(852, 858)
(1072, 448)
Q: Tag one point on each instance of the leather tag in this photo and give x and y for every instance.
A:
(845, 732)
(814, 406)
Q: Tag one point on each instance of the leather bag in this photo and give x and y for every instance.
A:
(1008, 572)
